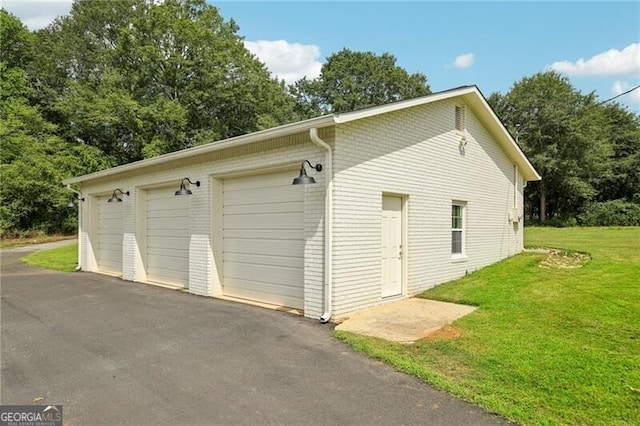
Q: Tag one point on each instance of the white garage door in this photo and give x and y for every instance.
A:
(109, 236)
(168, 234)
(263, 231)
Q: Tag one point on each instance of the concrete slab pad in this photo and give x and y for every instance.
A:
(405, 321)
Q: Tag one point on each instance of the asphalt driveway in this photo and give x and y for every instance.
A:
(116, 352)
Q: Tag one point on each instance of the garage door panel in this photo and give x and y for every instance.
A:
(168, 252)
(267, 260)
(161, 204)
(291, 248)
(265, 292)
(110, 252)
(263, 239)
(168, 276)
(110, 236)
(262, 195)
(168, 237)
(110, 221)
(276, 275)
(178, 222)
(111, 265)
(110, 227)
(111, 239)
(171, 234)
(280, 207)
(168, 213)
(263, 234)
(265, 221)
(268, 180)
(167, 262)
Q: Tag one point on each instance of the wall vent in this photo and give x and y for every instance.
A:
(460, 124)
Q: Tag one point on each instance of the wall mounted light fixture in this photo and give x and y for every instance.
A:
(115, 197)
(183, 189)
(303, 179)
(71, 204)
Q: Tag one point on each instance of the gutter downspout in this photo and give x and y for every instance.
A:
(328, 224)
(79, 266)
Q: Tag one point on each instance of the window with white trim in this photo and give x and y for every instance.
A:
(457, 228)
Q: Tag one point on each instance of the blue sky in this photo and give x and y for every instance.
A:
(490, 44)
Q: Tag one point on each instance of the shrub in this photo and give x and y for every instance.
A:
(611, 213)
(555, 222)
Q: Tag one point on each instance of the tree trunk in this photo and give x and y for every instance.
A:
(543, 203)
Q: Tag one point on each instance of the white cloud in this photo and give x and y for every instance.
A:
(288, 61)
(464, 61)
(36, 14)
(611, 62)
(620, 86)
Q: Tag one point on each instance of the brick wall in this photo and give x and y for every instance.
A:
(415, 153)
(287, 151)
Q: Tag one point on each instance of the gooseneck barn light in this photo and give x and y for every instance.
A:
(183, 189)
(71, 204)
(115, 197)
(303, 179)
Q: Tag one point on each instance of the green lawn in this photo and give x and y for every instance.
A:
(62, 259)
(546, 346)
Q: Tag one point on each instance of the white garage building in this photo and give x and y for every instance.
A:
(410, 195)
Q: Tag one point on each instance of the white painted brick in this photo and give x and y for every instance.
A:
(413, 152)
(288, 150)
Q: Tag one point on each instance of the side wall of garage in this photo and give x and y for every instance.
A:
(416, 154)
(205, 251)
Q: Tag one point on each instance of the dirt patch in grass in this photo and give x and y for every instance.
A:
(446, 332)
(561, 259)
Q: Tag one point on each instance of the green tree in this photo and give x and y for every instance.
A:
(352, 80)
(34, 162)
(562, 134)
(622, 130)
(33, 159)
(16, 42)
(142, 78)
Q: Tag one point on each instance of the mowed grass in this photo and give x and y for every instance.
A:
(62, 259)
(546, 346)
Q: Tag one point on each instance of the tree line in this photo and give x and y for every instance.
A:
(587, 151)
(116, 82)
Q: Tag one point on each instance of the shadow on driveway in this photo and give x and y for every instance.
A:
(117, 352)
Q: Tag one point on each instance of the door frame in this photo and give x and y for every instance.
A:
(404, 217)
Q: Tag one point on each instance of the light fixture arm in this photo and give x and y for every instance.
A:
(196, 183)
(183, 189)
(114, 196)
(318, 166)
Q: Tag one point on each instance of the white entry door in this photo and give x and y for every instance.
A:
(391, 246)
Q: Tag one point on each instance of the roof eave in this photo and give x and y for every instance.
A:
(262, 135)
(500, 132)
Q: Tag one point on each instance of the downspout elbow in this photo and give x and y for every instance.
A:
(75, 191)
(328, 223)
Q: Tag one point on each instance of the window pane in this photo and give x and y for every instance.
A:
(456, 242)
(456, 217)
